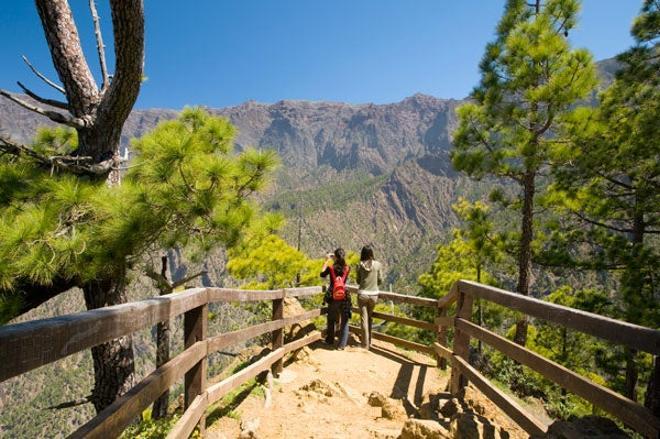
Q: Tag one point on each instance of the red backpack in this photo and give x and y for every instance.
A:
(339, 283)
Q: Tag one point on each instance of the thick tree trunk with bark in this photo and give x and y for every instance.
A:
(113, 361)
(525, 251)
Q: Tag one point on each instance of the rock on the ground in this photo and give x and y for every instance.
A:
(451, 408)
(319, 387)
(469, 425)
(390, 409)
(588, 426)
(424, 429)
(394, 410)
(249, 428)
(292, 308)
(376, 399)
(431, 404)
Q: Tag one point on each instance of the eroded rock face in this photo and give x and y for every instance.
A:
(588, 426)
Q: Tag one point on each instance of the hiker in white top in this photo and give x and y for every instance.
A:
(369, 277)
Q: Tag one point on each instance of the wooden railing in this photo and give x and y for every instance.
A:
(26, 346)
(644, 339)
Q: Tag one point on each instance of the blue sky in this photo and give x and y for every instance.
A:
(222, 52)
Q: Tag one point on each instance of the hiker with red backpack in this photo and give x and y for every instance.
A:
(337, 297)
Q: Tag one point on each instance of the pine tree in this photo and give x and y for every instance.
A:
(609, 180)
(97, 113)
(266, 261)
(185, 188)
(530, 78)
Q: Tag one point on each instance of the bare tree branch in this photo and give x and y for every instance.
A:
(74, 164)
(99, 45)
(36, 97)
(601, 224)
(178, 283)
(162, 283)
(42, 76)
(52, 115)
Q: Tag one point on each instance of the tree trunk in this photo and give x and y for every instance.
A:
(162, 351)
(102, 113)
(652, 401)
(113, 361)
(525, 252)
(633, 287)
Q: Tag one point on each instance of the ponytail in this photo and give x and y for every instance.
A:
(340, 261)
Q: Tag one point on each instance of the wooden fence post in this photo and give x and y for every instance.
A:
(442, 337)
(278, 334)
(461, 342)
(195, 324)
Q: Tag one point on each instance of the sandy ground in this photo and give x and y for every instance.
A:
(351, 375)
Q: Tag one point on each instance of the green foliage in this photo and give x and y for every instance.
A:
(530, 81)
(185, 188)
(473, 246)
(610, 175)
(149, 428)
(266, 261)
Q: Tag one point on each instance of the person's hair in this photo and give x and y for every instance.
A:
(367, 253)
(340, 261)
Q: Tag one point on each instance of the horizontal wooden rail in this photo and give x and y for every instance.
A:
(401, 298)
(444, 321)
(442, 351)
(412, 300)
(230, 338)
(410, 345)
(507, 404)
(448, 298)
(111, 421)
(190, 418)
(638, 337)
(218, 390)
(238, 295)
(303, 291)
(26, 346)
(630, 412)
(401, 320)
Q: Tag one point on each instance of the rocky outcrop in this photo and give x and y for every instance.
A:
(469, 415)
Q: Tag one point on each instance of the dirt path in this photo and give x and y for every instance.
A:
(336, 405)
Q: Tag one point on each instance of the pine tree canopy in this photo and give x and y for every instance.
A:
(530, 80)
(185, 187)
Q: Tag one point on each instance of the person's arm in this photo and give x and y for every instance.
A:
(325, 271)
(358, 277)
